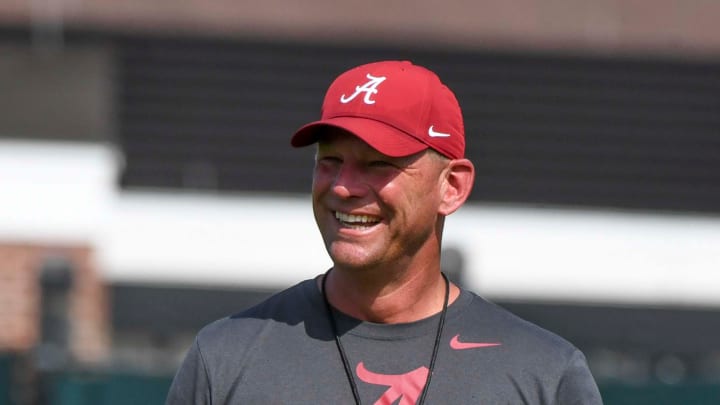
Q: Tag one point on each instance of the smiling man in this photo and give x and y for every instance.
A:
(383, 325)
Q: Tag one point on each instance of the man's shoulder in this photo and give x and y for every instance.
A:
(536, 359)
(286, 307)
(283, 303)
(515, 331)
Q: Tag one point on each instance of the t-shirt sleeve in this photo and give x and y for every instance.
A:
(577, 386)
(191, 385)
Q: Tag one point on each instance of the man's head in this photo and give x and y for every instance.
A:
(389, 165)
(396, 107)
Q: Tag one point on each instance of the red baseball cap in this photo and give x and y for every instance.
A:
(394, 106)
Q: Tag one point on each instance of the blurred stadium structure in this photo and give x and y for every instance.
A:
(147, 185)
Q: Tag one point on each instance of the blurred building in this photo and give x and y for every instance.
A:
(147, 185)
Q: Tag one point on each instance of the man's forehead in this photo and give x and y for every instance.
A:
(337, 137)
(347, 142)
(330, 135)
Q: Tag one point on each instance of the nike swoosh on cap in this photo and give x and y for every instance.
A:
(456, 344)
(435, 134)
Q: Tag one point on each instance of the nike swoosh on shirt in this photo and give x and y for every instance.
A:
(433, 133)
(456, 344)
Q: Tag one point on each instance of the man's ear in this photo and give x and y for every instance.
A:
(457, 183)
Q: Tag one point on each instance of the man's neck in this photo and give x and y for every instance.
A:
(388, 297)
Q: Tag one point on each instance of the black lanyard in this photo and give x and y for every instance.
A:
(343, 356)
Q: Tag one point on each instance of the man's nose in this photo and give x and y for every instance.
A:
(349, 182)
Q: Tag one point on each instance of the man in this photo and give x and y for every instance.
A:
(383, 325)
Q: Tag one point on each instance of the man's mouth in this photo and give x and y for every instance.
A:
(357, 221)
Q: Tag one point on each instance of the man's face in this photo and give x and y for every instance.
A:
(374, 210)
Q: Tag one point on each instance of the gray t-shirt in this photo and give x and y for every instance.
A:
(282, 351)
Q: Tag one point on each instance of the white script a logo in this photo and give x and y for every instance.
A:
(368, 88)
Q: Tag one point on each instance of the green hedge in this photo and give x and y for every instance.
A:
(86, 388)
(5, 363)
(660, 394)
(107, 389)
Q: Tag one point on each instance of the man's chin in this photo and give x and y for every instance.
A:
(350, 257)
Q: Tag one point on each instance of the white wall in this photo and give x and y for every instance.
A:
(66, 193)
(56, 191)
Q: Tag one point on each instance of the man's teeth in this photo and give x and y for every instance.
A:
(356, 220)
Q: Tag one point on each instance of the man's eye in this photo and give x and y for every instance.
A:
(329, 159)
(381, 163)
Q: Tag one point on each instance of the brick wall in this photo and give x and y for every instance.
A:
(20, 300)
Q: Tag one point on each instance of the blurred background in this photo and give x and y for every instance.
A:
(147, 185)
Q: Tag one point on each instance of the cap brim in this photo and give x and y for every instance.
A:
(381, 137)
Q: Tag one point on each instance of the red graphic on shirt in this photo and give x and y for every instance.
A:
(456, 344)
(406, 387)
